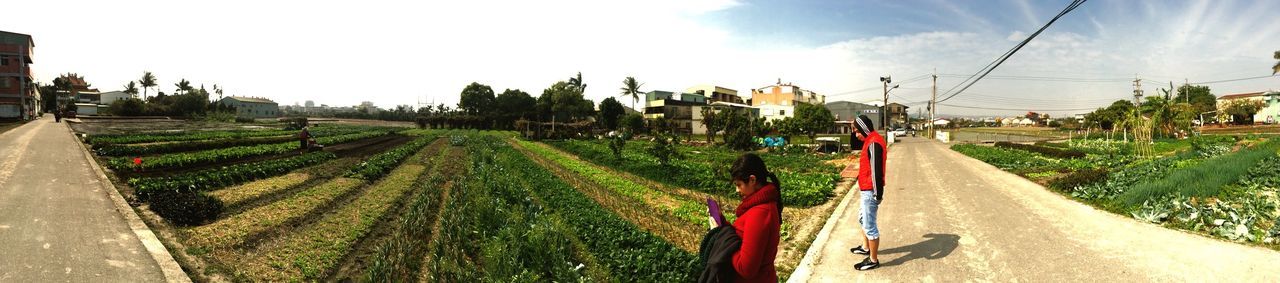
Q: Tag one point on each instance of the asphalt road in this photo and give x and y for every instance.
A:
(947, 217)
(57, 219)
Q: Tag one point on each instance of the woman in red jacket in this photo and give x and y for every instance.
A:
(759, 219)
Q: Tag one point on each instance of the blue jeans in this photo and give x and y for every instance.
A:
(867, 215)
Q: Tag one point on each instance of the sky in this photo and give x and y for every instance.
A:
(341, 53)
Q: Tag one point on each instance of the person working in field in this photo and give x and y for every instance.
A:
(746, 252)
(871, 169)
(305, 137)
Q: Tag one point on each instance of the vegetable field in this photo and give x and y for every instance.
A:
(1221, 186)
(397, 205)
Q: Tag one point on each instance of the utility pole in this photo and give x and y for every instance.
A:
(884, 107)
(933, 103)
(1137, 90)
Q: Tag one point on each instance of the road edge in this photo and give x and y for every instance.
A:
(168, 266)
(804, 270)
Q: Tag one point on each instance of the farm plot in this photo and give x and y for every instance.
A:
(515, 221)
(810, 181)
(1220, 186)
(304, 236)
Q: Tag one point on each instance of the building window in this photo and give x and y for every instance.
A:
(4, 61)
(782, 112)
(4, 82)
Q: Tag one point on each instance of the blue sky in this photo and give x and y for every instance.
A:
(396, 52)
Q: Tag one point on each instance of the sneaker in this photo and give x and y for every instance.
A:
(866, 264)
(859, 251)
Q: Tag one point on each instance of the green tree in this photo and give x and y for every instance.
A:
(126, 107)
(578, 84)
(511, 105)
(788, 127)
(631, 88)
(663, 148)
(813, 119)
(563, 102)
(713, 120)
(183, 86)
(1199, 96)
(632, 123)
(131, 88)
(1276, 68)
(610, 112)
(739, 128)
(476, 99)
(148, 81)
(1242, 110)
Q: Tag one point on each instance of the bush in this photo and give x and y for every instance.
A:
(244, 120)
(185, 208)
(664, 149)
(616, 144)
(1047, 151)
(126, 107)
(1079, 178)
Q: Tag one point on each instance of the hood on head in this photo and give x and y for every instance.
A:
(864, 125)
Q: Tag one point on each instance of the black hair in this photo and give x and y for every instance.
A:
(750, 164)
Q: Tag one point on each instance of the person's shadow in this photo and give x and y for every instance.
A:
(934, 246)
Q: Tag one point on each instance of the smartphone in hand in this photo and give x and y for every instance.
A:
(713, 211)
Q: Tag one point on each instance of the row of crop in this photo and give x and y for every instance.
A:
(399, 258)
(313, 251)
(195, 158)
(102, 140)
(686, 209)
(158, 148)
(226, 175)
(1046, 151)
(495, 231)
(1005, 159)
(378, 165)
(105, 139)
(476, 244)
(710, 174)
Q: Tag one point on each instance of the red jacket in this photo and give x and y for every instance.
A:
(759, 226)
(871, 164)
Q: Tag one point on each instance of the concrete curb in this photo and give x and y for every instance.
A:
(804, 269)
(172, 271)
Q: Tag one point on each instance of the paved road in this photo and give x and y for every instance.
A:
(949, 218)
(58, 221)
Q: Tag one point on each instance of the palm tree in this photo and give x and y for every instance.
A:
(183, 86)
(630, 87)
(1276, 69)
(131, 88)
(147, 81)
(578, 84)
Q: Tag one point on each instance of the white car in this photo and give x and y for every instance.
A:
(899, 132)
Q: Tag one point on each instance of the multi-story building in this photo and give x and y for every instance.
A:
(779, 100)
(847, 112)
(716, 93)
(1269, 113)
(676, 108)
(252, 107)
(18, 95)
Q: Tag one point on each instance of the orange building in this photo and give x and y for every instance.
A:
(18, 95)
(779, 100)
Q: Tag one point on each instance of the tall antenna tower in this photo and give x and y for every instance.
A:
(1137, 90)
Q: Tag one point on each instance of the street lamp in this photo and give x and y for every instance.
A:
(884, 107)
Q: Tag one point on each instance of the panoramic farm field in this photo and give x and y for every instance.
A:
(397, 204)
(1223, 186)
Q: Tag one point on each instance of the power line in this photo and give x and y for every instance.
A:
(913, 79)
(1231, 80)
(1051, 79)
(1018, 109)
(1000, 60)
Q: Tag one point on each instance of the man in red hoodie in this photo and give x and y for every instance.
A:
(871, 169)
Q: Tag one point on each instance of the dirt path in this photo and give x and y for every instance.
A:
(947, 217)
